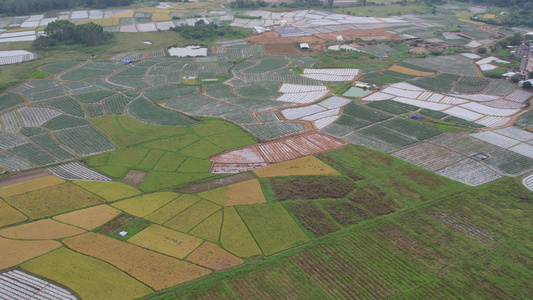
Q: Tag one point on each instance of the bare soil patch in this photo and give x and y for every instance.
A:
(135, 178)
(364, 34)
(374, 200)
(22, 177)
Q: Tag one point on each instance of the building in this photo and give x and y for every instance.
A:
(304, 46)
(258, 30)
(15, 56)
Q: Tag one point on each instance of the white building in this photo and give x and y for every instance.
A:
(15, 56)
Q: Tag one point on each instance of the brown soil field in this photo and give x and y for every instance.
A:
(22, 177)
(9, 215)
(134, 178)
(89, 218)
(53, 200)
(47, 229)
(155, 270)
(30, 185)
(313, 218)
(213, 257)
(245, 193)
(408, 71)
(419, 50)
(275, 45)
(309, 165)
(166, 241)
(349, 35)
(15, 252)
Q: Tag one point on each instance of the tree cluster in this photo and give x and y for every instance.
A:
(303, 3)
(202, 31)
(23, 7)
(64, 32)
(248, 4)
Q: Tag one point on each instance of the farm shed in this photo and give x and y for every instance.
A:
(15, 56)
(304, 46)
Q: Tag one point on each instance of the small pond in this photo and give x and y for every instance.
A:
(356, 92)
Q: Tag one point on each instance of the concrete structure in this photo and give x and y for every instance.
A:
(304, 46)
(15, 56)
(258, 30)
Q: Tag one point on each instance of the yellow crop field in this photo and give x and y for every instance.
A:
(173, 208)
(192, 216)
(219, 195)
(245, 193)
(141, 206)
(213, 257)
(110, 22)
(110, 191)
(235, 237)
(53, 200)
(209, 229)
(47, 229)
(489, 16)
(408, 71)
(157, 16)
(89, 218)
(308, 165)
(128, 14)
(155, 270)
(88, 277)
(29, 186)
(166, 241)
(9, 215)
(470, 21)
(95, 21)
(14, 252)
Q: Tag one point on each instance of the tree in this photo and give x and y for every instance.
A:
(516, 39)
(330, 3)
(515, 79)
(482, 50)
(62, 30)
(527, 85)
(530, 75)
(89, 34)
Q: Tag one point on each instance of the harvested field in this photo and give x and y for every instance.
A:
(89, 218)
(374, 200)
(205, 186)
(312, 188)
(75, 270)
(192, 216)
(9, 215)
(47, 229)
(155, 270)
(16, 252)
(166, 241)
(312, 218)
(213, 257)
(142, 206)
(53, 200)
(235, 236)
(134, 177)
(309, 165)
(428, 156)
(110, 191)
(404, 70)
(209, 229)
(272, 227)
(282, 49)
(346, 212)
(29, 186)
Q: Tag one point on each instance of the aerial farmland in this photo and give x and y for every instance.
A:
(393, 159)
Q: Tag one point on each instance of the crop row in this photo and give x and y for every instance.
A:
(33, 154)
(11, 121)
(12, 163)
(36, 116)
(46, 142)
(147, 112)
(85, 140)
(274, 130)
